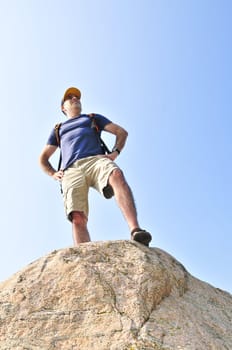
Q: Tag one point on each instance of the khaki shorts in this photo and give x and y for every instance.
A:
(79, 177)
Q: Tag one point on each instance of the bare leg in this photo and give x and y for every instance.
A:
(79, 225)
(124, 198)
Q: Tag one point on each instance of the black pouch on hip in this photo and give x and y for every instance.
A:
(108, 191)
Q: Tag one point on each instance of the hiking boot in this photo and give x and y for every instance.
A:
(141, 236)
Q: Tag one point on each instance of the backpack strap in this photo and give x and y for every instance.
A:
(96, 127)
(57, 133)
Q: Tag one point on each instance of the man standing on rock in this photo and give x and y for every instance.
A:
(85, 165)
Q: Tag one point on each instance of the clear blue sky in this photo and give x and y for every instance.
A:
(162, 70)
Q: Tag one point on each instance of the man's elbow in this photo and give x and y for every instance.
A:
(41, 160)
(125, 133)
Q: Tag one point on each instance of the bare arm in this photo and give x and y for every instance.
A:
(46, 153)
(120, 133)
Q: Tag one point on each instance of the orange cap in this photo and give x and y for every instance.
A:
(71, 91)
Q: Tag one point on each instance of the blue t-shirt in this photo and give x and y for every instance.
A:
(78, 139)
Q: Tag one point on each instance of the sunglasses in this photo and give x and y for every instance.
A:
(69, 97)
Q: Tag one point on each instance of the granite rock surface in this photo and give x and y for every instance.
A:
(116, 295)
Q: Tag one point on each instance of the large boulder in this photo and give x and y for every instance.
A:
(116, 295)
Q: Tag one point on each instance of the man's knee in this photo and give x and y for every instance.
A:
(116, 176)
(78, 218)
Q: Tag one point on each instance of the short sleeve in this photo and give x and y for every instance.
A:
(52, 139)
(101, 121)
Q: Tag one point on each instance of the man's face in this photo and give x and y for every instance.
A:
(72, 106)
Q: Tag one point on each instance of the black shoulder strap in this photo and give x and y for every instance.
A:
(96, 127)
(57, 133)
(94, 123)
